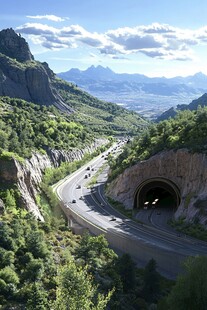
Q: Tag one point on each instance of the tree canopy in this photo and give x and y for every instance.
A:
(190, 290)
(187, 130)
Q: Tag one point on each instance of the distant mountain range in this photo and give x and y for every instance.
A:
(199, 80)
(201, 101)
(148, 96)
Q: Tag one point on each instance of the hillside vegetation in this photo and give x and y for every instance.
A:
(25, 127)
(44, 266)
(100, 116)
(187, 130)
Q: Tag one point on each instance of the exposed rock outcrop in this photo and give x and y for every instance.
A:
(23, 77)
(28, 175)
(59, 156)
(187, 170)
(14, 46)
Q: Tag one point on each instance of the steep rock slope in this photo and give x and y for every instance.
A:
(185, 169)
(23, 77)
(28, 175)
(14, 46)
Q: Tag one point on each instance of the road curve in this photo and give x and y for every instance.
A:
(90, 209)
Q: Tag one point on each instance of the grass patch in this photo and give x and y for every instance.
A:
(49, 209)
(92, 181)
(43, 205)
(120, 207)
(188, 199)
(94, 178)
(5, 155)
(195, 230)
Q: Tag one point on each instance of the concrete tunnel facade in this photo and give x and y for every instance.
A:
(181, 173)
(155, 191)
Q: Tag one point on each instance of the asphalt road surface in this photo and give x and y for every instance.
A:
(140, 240)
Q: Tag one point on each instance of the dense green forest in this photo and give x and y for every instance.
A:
(45, 266)
(187, 130)
(25, 126)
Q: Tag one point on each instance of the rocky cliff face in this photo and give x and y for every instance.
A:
(22, 77)
(59, 156)
(14, 46)
(187, 170)
(27, 176)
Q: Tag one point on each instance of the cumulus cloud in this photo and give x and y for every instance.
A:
(157, 28)
(156, 40)
(53, 18)
(37, 29)
(168, 55)
(73, 30)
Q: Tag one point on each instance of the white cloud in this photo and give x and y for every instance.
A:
(37, 29)
(53, 18)
(156, 40)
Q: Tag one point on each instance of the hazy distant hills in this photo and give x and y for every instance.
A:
(199, 80)
(201, 101)
(148, 96)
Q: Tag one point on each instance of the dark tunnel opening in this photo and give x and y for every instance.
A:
(157, 193)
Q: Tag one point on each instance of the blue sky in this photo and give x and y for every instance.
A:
(151, 37)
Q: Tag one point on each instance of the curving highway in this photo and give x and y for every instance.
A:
(143, 242)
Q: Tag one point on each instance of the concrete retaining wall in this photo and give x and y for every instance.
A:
(168, 262)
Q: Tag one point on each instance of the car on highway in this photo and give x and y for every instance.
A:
(113, 218)
(74, 201)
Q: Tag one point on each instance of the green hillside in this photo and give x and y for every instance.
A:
(102, 117)
(26, 126)
(187, 130)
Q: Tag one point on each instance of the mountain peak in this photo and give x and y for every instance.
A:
(199, 74)
(100, 72)
(14, 46)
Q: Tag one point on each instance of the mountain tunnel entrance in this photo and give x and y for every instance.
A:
(157, 192)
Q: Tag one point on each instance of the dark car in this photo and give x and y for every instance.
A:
(73, 201)
(113, 218)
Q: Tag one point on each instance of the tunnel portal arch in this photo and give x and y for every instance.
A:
(157, 191)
